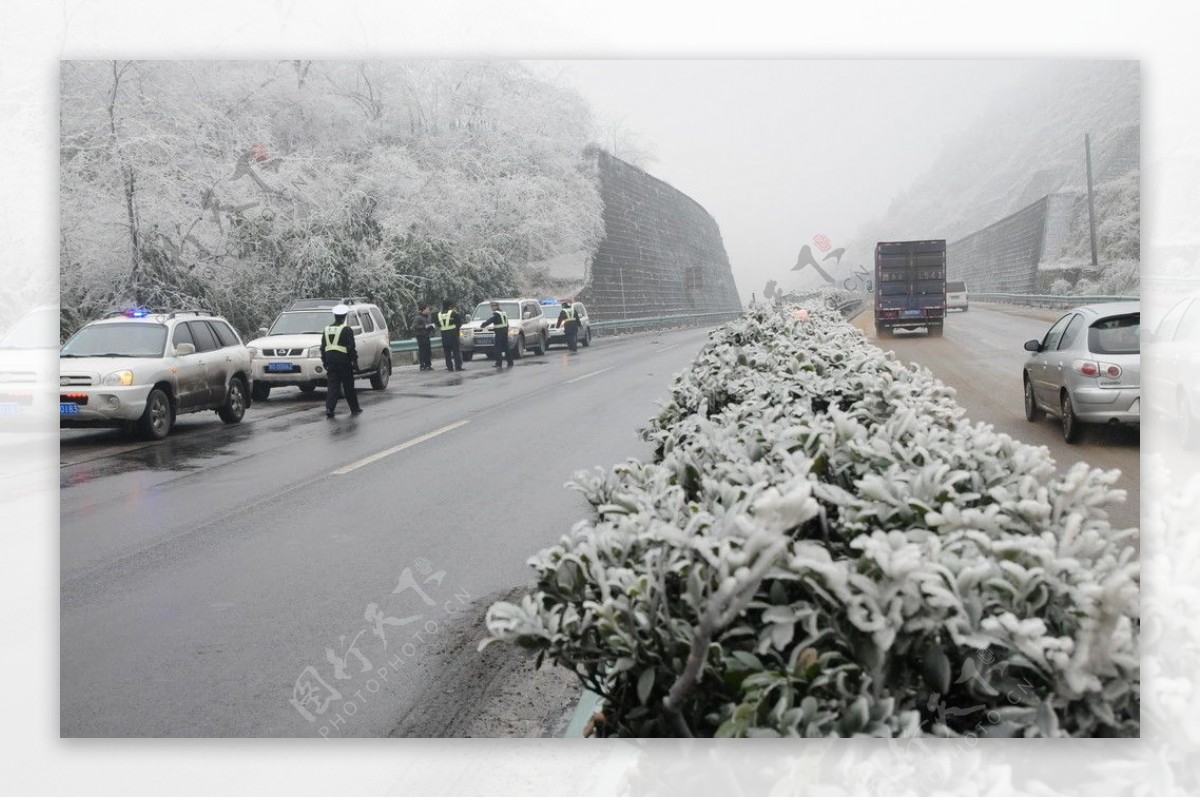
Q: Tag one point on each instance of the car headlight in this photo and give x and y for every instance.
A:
(118, 378)
(313, 351)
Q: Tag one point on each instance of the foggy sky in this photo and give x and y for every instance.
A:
(780, 151)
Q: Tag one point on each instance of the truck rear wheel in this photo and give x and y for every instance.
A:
(935, 330)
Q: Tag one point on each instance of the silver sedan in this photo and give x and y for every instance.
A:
(1087, 369)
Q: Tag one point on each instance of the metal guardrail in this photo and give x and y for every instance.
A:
(663, 321)
(410, 344)
(1047, 301)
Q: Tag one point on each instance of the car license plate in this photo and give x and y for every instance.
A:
(287, 367)
(68, 409)
(10, 409)
(911, 313)
(481, 340)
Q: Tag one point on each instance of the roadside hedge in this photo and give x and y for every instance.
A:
(823, 545)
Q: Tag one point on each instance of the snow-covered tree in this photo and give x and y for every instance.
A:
(242, 185)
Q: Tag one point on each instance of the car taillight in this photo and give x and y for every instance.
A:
(1090, 368)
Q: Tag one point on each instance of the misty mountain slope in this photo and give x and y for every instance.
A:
(1027, 146)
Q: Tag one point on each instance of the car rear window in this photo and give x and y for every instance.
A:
(956, 288)
(1117, 335)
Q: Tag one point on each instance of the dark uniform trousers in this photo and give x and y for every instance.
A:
(502, 349)
(571, 328)
(451, 350)
(340, 380)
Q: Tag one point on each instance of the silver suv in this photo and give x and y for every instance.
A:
(140, 369)
(528, 328)
(289, 353)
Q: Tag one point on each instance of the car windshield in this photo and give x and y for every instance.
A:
(136, 339)
(37, 329)
(1116, 336)
(484, 311)
(300, 322)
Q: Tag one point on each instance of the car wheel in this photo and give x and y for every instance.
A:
(466, 356)
(884, 332)
(379, 380)
(540, 349)
(1189, 435)
(587, 337)
(1071, 428)
(157, 419)
(308, 389)
(1032, 411)
(235, 402)
(261, 391)
(519, 352)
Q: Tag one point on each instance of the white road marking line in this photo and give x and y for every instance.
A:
(346, 469)
(656, 351)
(593, 374)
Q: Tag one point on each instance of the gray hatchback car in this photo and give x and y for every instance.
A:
(1087, 369)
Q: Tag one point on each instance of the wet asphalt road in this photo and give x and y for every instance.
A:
(981, 355)
(202, 575)
(205, 576)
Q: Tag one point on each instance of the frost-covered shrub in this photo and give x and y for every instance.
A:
(824, 546)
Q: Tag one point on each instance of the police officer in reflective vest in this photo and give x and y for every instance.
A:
(499, 322)
(570, 324)
(448, 322)
(341, 361)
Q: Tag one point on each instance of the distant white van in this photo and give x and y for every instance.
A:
(956, 295)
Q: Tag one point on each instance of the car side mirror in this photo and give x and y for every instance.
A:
(262, 332)
(184, 349)
(1033, 346)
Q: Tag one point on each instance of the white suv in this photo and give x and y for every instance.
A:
(140, 369)
(528, 328)
(558, 335)
(289, 353)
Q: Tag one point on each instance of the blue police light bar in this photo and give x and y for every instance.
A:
(550, 302)
(136, 313)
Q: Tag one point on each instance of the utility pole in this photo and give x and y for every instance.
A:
(1087, 148)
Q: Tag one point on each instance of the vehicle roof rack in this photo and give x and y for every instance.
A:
(321, 303)
(193, 311)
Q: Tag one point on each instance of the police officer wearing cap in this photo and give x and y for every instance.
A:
(340, 358)
(499, 322)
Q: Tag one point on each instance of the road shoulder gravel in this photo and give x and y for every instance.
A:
(497, 692)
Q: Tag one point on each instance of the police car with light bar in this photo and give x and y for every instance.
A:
(558, 335)
(140, 369)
